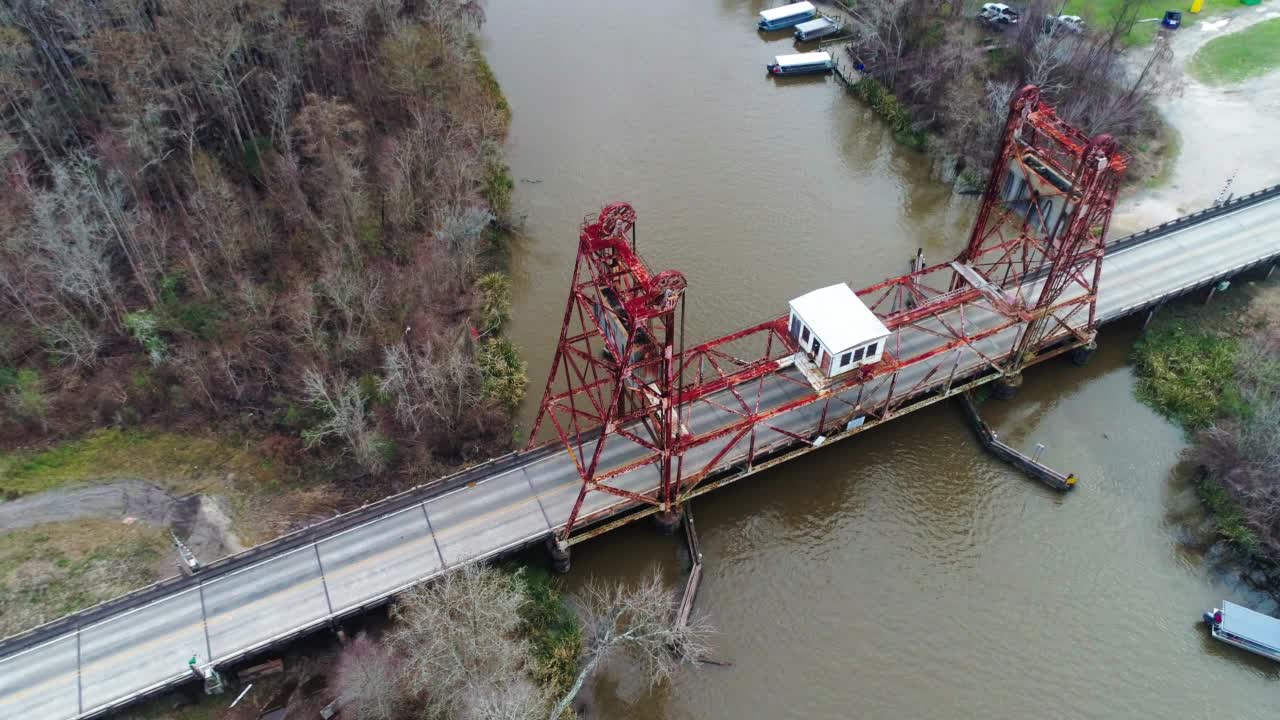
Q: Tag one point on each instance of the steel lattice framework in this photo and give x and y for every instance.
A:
(624, 396)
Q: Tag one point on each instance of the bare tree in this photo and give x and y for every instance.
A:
(346, 416)
(354, 296)
(431, 386)
(1103, 98)
(880, 32)
(1124, 15)
(368, 681)
(71, 341)
(637, 621)
(516, 697)
(69, 243)
(459, 637)
(332, 135)
(1048, 55)
(462, 231)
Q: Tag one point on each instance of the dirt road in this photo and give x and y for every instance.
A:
(1226, 131)
(199, 519)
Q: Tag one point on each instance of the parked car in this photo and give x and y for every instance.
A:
(1069, 23)
(998, 14)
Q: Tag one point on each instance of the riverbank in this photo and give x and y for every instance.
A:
(1214, 368)
(1206, 366)
(942, 80)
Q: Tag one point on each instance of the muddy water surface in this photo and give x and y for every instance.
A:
(902, 573)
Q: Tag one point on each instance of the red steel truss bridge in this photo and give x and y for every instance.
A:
(637, 422)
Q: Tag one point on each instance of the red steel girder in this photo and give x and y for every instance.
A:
(621, 375)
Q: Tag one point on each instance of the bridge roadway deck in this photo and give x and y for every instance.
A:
(86, 664)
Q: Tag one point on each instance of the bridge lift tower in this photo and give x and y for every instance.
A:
(646, 419)
(1044, 217)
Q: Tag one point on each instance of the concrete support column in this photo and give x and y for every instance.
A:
(1081, 356)
(1270, 269)
(667, 521)
(559, 552)
(1006, 387)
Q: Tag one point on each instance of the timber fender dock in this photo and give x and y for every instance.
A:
(695, 571)
(991, 441)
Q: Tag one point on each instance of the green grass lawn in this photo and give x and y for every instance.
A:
(181, 461)
(1239, 56)
(50, 570)
(1099, 14)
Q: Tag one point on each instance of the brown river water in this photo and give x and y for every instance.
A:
(902, 573)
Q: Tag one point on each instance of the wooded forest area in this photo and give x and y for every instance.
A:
(281, 218)
(941, 78)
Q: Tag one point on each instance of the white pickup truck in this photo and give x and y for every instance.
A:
(998, 14)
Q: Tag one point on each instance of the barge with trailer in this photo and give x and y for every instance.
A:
(1246, 629)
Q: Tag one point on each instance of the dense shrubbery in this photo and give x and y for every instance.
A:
(266, 209)
(1187, 373)
(1241, 450)
(490, 644)
(887, 106)
(1224, 385)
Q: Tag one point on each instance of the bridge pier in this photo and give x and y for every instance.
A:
(1080, 356)
(667, 521)
(1006, 387)
(559, 552)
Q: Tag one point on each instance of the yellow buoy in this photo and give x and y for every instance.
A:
(1197, 5)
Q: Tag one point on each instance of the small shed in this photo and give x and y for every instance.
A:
(836, 330)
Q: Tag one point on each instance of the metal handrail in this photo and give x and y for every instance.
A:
(276, 546)
(1194, 218)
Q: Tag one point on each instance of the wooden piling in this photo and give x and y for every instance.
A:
(695, 572)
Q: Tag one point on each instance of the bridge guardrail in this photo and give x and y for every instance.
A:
(298, 538)
(1194, 218)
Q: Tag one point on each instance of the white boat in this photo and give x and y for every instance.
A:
(786, 16)
(1246, 629)
(800, 64)
(815, 29)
